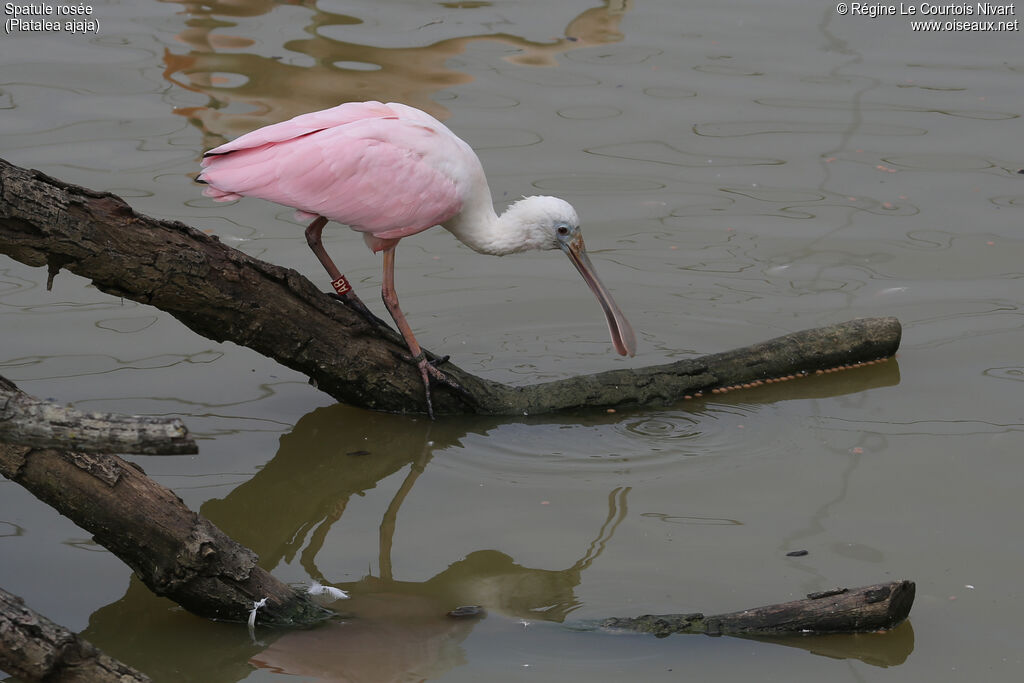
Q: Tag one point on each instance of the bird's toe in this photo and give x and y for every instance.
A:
(431, 375)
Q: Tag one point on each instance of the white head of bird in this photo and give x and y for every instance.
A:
(530, 223)
(548, 223)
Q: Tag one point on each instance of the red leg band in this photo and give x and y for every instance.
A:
(341, 285)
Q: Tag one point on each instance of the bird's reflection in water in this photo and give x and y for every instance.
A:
(390, 629)
(394, 638)
(399, 631)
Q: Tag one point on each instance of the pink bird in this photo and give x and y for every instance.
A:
(390, 171)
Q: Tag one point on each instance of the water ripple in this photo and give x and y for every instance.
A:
(10, 529)
(613, 54)
(663, 153)
(946, 162)
(643, 446)
(577, 183)
(668, 92)
(744, 128)
(587, 112)
(503, 138)
(1009, 201)
(691, 521)
(787, 103)
(728, 70)
(665, 426)
(1014, 373)
(81, 365)
(788, 202)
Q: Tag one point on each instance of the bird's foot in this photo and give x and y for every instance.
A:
(429, 372)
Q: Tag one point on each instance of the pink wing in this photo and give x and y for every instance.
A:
(389, 170)
(303, 125)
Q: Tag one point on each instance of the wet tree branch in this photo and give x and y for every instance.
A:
(176, 552)
(226, 295)
(30, 421)
(33, 648)
(842, 610)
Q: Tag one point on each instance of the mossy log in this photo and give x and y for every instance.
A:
(31, 421)
(33, 648)
(224, 294)
(842, 610)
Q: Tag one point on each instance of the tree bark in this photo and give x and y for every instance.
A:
(34, 648)
(176, 552)
(30, 421)
(854, 610)
(224, 294)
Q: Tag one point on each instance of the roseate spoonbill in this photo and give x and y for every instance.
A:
(390, 171)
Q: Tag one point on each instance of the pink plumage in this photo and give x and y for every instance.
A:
(388, 170)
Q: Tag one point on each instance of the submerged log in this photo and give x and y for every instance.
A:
(843, 610)
(30, 421)
(33, 648)
(176, 552)
(226, 295)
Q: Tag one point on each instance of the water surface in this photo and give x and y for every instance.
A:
(742, 170)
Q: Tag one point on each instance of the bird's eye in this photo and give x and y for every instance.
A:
(562, 230)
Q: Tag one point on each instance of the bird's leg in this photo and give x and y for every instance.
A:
(340, 283)
(427, 369)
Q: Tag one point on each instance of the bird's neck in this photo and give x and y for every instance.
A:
(484, 231)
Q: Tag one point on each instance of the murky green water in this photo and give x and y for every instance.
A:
(742, 170)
